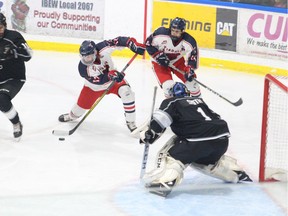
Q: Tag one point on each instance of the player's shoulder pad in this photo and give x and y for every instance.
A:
(82, 68)
(102, 45)
(187, 37)
(161, 31)
(13, 35)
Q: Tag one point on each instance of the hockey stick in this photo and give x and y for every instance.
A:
(146, 147)
(237, 103)
(70, 132)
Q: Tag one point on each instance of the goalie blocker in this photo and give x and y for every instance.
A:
(198, 143)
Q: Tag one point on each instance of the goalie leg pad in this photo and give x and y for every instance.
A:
(168, 174)
(164, 150)
(223, 169)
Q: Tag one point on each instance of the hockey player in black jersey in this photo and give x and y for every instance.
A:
(200, 141)
(14, 52)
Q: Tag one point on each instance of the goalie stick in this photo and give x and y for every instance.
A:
(70, 132)
(146, 146)
(237, 103)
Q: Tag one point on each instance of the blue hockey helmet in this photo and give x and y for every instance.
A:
(87, 52)
(179, 90)
(178, 23)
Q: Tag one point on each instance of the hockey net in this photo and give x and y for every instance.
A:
(274, 138)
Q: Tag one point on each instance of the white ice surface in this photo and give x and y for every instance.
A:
(96, 170)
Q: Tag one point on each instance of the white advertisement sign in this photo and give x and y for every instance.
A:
(263, 34)
(68, 18)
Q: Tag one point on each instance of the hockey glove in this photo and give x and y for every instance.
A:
(135, 46)
(190, 74)
(7, 52)
(148, 137)
(162, 59)
(115, 76)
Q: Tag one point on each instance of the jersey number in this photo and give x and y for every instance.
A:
(200, 110)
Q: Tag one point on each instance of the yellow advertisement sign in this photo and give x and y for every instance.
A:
(200, 20)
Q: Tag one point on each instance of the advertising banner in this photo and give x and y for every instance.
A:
(68, 18)
(263, 34)
(200, 20)
(226, 29)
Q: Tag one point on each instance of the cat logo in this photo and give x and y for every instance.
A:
(225, 29)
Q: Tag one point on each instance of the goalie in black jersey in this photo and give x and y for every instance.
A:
(200, 141)
(14, 52)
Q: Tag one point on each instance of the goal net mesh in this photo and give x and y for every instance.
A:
(274, 141)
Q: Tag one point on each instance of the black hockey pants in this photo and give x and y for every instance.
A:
(201, 152)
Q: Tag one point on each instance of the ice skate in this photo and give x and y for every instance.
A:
(65, 118)
(243, 177)
(161, 189)
(131, 126)
(17, 131)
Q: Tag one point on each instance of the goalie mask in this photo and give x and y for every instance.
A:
(177, 27)
(88, 52)
(179, 90)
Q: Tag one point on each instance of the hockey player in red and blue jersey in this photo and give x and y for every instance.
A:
(98, 70)
(168, 46)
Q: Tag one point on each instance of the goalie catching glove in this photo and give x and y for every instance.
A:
(135, 46)
(115, 75)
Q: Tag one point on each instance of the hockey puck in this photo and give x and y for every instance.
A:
(61, 139)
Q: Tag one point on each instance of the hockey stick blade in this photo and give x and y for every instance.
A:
(60, 133)
(238, 103)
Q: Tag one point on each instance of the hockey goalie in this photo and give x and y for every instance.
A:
(200, 141)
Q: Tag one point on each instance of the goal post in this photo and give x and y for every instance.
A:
(274, 133)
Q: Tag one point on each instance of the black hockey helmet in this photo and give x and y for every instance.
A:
(178, 23)
(179, 90)
(87, 52)
(3, 20)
